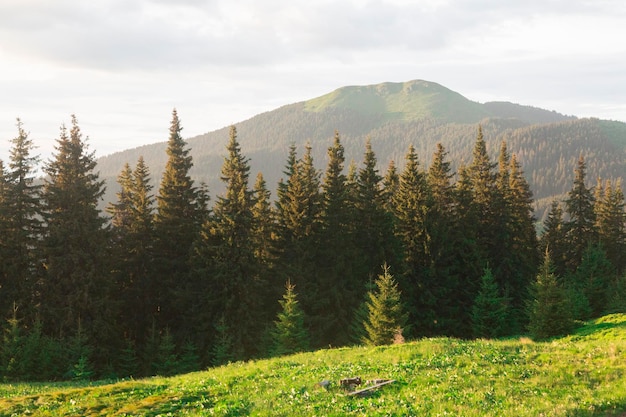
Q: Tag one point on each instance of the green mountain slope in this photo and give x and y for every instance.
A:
(395, 115)
(578, 375)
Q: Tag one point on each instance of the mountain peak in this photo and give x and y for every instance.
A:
(411, 100)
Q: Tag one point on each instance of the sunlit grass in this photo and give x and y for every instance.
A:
(580, 375)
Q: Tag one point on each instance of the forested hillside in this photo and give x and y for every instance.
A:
(175, 276)
(396, 115)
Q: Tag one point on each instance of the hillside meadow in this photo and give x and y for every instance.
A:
(583, 374)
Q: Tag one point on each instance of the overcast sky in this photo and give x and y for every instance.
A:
(122, 65)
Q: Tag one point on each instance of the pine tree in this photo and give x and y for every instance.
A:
(549, 313)
(222, 350)
(489, 314)
(444, 243)
(76, 286)
(411, 206)
(289, 334)
(522, 254)
(592, 280)
(386, 319)
(391, 183)
(133, 236)
(374, 233)
(470, 256)
(553, 240)
(12, 359)
(611, 223)
(226, 253)
(580, 228)
(177, 222)
(335, 281)
(298, 219)
(20, 221)
(166, 361)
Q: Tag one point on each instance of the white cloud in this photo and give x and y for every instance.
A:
(121, 65)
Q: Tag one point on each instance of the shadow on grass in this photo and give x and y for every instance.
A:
(604, 410)
(599, 327)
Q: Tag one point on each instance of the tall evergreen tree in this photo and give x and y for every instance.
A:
(580, 227)
(226, 256)
(470, 255)
(411, 207)
(374, 232)
(444, 243)
(611, 223)
(20, 217)
(552, 239)
(133, 233)
(176, 223)
(298, 209)
(335, 279)
(522, 254)
(76, 285)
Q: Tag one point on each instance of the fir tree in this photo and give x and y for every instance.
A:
(552, 239)
(549, 313)
(580, 228)
(591, 280)
(374, 233)
(298, 218)
(489, 314)
(443, 245)
(411, 206)
(335, 281)
(76, 286)
(226, 252)
(20, 221)
(289, 334)
(386, 318)
(611, 223)
(133, 236)
(177, 222)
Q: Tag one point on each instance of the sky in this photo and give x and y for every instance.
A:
(121, 66)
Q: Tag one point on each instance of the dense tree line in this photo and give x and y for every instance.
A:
(168, 281)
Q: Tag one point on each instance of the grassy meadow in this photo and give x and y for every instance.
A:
(583, 374)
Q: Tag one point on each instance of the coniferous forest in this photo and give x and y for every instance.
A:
(171, 279)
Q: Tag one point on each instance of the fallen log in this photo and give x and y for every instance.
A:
(368, 390)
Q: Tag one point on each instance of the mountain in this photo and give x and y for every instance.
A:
(393, 116)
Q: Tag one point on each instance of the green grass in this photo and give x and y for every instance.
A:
(580, 375)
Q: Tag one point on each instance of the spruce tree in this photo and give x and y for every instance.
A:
(386, 319)
(580, 228)
(76, 286)
(611, 223)
(226, 257)
(470, 256)
(289, 334)
(374, 233)
(176, 223)
(20, 221)
(335, 282)
(411, 207)
(133, 235)
(592, 280)
(552, 239)
(298, 209)
(549, 313)
(443, 245)
(490, 310)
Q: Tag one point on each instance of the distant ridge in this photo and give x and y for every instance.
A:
(395, 115)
